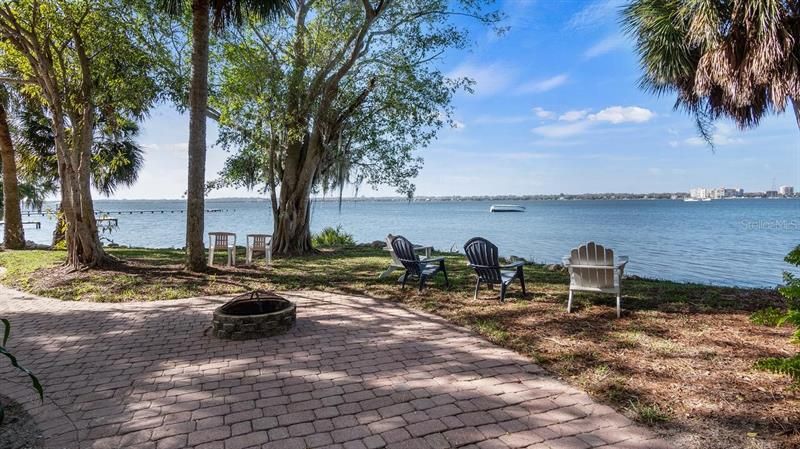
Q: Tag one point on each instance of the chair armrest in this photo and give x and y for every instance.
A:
(517, 264)
(472, 265)
(621, 262)
(423, 261)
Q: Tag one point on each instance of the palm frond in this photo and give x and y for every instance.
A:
(116, 158)
(232, 12)
(227, 12)
(722, 58)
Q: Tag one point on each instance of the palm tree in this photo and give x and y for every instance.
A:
(116, 157)
(13, 233)
(224, 12)
(723, 58)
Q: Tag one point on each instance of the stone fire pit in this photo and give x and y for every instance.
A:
(254, 315)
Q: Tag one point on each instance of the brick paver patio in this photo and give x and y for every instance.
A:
(355, 373)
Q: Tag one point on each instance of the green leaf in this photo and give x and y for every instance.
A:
(789, 366)
(34, 380)
(6, 331)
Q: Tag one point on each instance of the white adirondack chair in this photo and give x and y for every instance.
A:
(259, 243)
(222, 241)
(592, 268)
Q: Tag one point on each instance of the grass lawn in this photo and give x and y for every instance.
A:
(680, 359)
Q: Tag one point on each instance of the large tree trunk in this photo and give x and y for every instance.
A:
(84, 249)
(198, 103)
(13, 233)
(292, 236)
(292, 227)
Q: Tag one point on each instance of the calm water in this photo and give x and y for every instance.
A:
(730, 242)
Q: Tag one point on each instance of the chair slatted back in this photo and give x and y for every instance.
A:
(592, 254)
(260, 242)
(221, 240)
(482, 254)
(404, 251)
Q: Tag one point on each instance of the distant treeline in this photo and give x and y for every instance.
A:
(563, 196)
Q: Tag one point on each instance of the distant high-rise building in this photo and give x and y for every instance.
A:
(786, 191)
(700, 193)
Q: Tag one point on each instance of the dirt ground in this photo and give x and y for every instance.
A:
(679, 360)
(18, 431)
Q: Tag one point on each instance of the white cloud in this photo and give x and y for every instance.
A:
(181, 147)
(604, 46)
(543, 113)
(500, 119)
(561, 131)
(489, 78)
(594, 13)
(623, 114)
(571, 116)
(723, 135)
(694, 141)
(458, 125)
(525, 156)
(718, 139)
(538, 86)
(580, 121)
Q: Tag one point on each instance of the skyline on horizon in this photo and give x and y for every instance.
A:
(556, 109)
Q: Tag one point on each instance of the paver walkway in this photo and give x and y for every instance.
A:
(355, 373)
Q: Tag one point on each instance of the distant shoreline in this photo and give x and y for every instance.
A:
(679, 196)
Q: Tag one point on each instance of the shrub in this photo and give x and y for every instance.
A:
(34, 380)
(789, 366)
(770, 316)
(333, 237)
(791, 291)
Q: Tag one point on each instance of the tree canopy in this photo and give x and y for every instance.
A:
(82, 61)
(724, 58)
(342, 92)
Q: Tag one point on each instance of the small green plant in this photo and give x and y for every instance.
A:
(770, 316)
(492, 329)
(333, 237)
(34, 380)
(789, 366)
(649, 414)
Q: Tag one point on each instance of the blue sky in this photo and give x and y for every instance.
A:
(556, 109)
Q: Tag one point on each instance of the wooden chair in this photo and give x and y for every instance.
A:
(592, 268)
(259, 243)
(483, 257)
(396, 264)
(415, 267)
(224, 241)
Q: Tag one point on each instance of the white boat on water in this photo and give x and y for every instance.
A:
(506, 208)
(695, 200)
